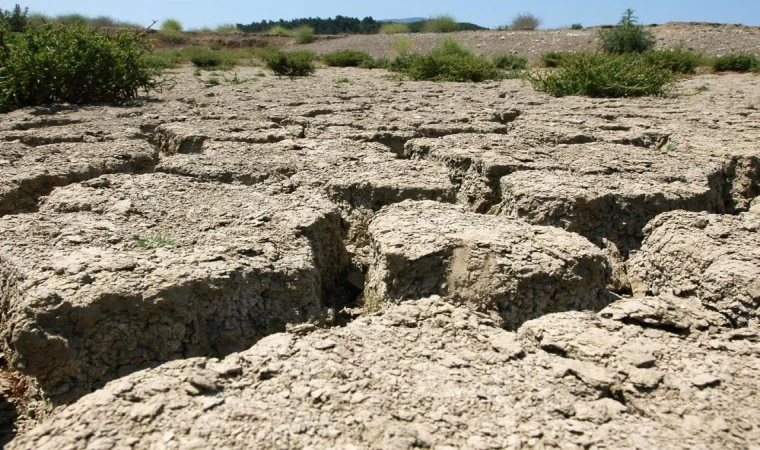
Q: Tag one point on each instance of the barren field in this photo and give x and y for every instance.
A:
(352, 261)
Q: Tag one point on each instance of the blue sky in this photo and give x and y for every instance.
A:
(555, 13)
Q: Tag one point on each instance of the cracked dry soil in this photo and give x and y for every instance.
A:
(382, 264)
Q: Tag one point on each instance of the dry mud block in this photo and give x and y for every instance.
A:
(28, 173)
(126, 271)
(599, 206)
(426, 374)
(713, 257)
(494, 264)
(193, 136)
(356, 174)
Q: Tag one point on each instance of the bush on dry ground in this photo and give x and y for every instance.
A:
(72, 64)
(525, 21)
(676, 60)
(736, 63)
(605, 75)
(290, 64)
(304, 34)
(347, 58)
(394, 28)
(627, 37)
(510, 62)
(440, 24)
(450, 61)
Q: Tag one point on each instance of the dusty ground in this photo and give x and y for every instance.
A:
(374, 263)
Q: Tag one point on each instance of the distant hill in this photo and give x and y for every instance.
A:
(409, 20)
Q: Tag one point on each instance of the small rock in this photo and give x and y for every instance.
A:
(705, 381)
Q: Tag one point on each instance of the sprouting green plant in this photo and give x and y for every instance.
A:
(155, 241)
(211, 81)
(670, 147)
(235, 79)
(197, 72)
(342, 81)
(702, 88)
(260, 74)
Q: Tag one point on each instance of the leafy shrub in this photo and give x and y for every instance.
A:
(450, 61)
(304, 34)
(394, 28)
(510, 62)
(576, 26)
(227, 28)
(279, 30)
(677, 60)
(346, 58)
(555, 59)
(16, 20)
(450, 46)
(291, 64)
(736, 63)
(603, 75)
(171, 26)
(627, 37)
(55, 64)
(402, 46)
(525, 21)
(442, 67)
(440, 24)
(72, 19)
(206, 59)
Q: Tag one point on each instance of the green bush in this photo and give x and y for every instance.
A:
(736, 63)
(627, 37)
(402, 46)
(576, 26)
(440, 24)
(510, 62)
(525, 21)
(16, 20)
(279, 30)
(451, 47)
(291, 64)
(441, 67)
(304, 34)
(555, 59)
(603, 75)
(207, 59)
(346, 58)
(227, 28)
(394, 28)
(171, 26)
(677, 60)
(72, 64)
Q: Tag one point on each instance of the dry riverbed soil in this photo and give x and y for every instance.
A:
(348, 260)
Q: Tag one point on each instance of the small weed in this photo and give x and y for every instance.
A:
(211, 81)
(260, 74)
(702, 88)
(236, 80)
(670, 147)
(155, 241)
(342, 81)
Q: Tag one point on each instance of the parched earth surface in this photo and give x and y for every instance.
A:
(315, 263)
